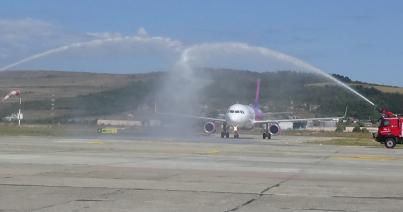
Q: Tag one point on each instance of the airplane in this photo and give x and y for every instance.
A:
(246, 117)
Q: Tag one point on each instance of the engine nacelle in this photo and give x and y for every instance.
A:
(209, 127)
(274, 128)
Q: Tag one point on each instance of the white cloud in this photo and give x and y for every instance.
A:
(104, 35)
(25, 29)
(20, 38)
(141, 32)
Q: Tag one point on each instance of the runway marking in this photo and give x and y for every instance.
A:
(209, 152)
(96, 142)
(71, 140)
(367, 157)
(134, 189)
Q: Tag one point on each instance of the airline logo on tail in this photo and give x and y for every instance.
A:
(256, 107)
(257, 96)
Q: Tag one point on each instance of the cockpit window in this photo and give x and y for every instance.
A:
(236, 111)
(385, 123)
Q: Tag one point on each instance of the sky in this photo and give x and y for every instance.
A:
(360, 39)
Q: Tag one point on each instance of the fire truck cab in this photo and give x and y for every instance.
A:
(390, 130)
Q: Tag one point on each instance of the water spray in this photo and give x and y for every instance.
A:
(95, 43)
(188, 57)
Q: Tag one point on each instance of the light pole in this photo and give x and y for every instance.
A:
(20, 116)
(52, 106)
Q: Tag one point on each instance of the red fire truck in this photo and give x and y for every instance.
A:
(390, 130)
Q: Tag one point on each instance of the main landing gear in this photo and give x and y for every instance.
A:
(266, 133)
(224, 132)
(236, 134)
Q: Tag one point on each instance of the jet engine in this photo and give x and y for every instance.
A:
(274, 128)
(209, 127)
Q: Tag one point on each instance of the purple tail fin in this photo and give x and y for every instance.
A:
(257, 93)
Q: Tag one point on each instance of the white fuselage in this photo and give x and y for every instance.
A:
(240, 116)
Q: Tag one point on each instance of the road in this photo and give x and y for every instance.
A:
(200, 173)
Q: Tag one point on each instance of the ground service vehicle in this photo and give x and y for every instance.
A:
(390, 129)
(107, 130)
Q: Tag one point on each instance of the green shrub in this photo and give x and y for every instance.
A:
(357, 129)
(340, 126)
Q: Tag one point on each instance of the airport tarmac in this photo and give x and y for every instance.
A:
(201, 173)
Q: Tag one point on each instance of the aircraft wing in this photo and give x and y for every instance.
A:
(276, 113)
(297, 120)
(179, 115)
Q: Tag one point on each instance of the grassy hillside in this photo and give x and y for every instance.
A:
(382, 88)
(81, 95)
(39, 85)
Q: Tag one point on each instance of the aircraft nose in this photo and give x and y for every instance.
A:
(235, 118)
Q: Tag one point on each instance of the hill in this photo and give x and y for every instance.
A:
(382, 88)
(39, 85)
(90, 95)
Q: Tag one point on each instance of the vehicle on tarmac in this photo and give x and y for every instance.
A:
(107, 130)
(390, 129)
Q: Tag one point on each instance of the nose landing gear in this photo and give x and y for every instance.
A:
(225, 133)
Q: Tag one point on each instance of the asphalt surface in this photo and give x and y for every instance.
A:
(196, 173)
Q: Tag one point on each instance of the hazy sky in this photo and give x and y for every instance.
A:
(361, 39)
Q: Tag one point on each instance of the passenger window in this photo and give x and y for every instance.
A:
(386, 123)
(231, 111)
(237, 111)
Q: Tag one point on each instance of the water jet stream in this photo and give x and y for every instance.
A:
(95, 43)
(189, 54)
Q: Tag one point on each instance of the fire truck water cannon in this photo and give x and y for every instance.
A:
(390, 129)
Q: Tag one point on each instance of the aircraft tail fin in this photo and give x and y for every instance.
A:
(257, 97)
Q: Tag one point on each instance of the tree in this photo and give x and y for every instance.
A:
(340, 126)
